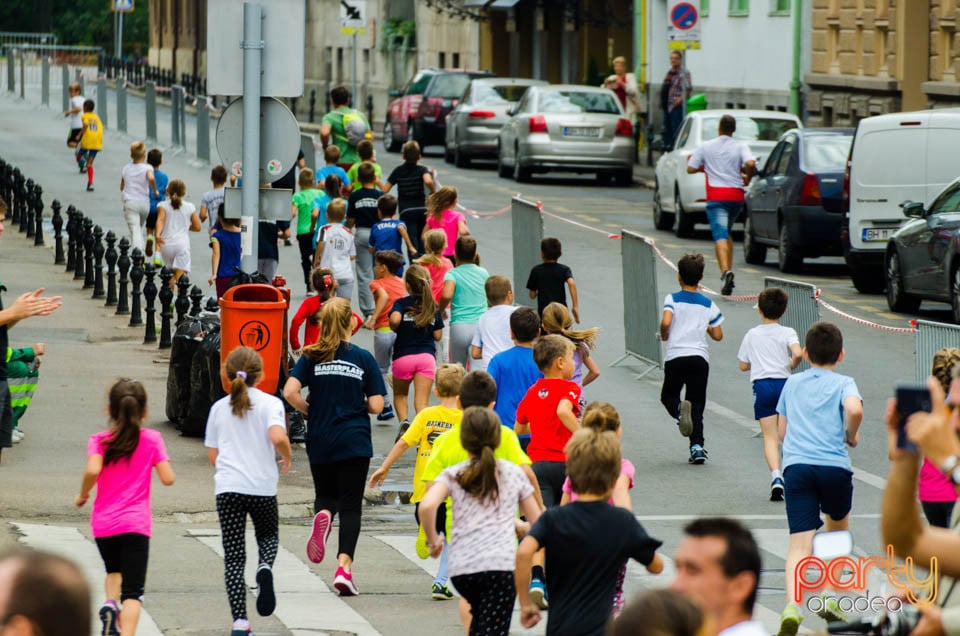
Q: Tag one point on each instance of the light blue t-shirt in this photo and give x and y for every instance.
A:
(469, 298)
(514, 371)
(812, 401)
(326, 171)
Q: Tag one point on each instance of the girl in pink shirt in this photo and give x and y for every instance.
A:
(937, 494)
(442, 216)
(434, 243)
(119, 463)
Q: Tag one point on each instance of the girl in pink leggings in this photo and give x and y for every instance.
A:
(418, 323)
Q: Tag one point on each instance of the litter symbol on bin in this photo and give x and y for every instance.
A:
(255, 334)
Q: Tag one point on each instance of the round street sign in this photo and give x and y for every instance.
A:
(279, 138)
(684, 16)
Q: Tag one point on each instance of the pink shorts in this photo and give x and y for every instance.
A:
(405, 367)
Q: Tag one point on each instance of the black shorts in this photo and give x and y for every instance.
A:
(127, 555)
(73, 137)
(152, 220)
(441, 524)
(809, 489)
(550, 477)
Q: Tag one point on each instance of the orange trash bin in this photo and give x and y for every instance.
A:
(254, 316)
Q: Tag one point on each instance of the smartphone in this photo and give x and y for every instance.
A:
(910, 399)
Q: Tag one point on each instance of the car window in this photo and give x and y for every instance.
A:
(750, 128)
(771, 165)
(524, 103)
(948, 201)
(449, 86)
(684, 133)
(826, 153)
(487, 94)
(578, 102)
(418, 84)
(786, 154)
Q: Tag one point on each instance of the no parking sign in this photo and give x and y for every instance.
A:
(683, 24)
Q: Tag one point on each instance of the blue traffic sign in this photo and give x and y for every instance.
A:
(684, 16)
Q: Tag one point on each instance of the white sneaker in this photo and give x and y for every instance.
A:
(17, 436)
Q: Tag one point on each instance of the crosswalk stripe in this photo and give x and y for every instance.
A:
(305, 605)
(71, 543)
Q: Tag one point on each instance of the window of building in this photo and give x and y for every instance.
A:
(442, 60)
(739, 8)
(780, 7)
(456, 60)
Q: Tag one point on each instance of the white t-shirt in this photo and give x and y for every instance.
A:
(135, 184)
(722, 159)
(76, 119)
(247, 460)
(745, 628)
(692, 314)
(492, 335)
(483, 536)
(176, 226)
(339, 250)
(767, 348)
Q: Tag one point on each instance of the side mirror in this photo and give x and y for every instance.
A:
(395, 92)
(913, 209)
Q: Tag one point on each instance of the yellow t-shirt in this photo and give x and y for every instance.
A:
(427, 426)
(448, 451)
(93, 132)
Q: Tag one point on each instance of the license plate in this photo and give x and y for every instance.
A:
(581, 132)
(877, 234)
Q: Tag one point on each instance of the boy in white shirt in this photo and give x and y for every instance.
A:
(493, 328)
(770, 352)
(688, 318)
(336, 249)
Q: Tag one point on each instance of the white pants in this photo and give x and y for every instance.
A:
(135, 213)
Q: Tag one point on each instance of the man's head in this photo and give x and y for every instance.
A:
(340, 96)
(823, 344)
(74, 89)
(718, 563)
(525, 325)
(727, 125)
(478, 388)
(42, 594)
(676, 59)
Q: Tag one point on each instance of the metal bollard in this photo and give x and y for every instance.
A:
(313, 104)
(166, 311)
(196, 300)
(16, 193)
(71, 239)
(57, 221)
(150, 100)
(136, 277)
(45, 81)
(90, 277)
(182, 304)
(80, 267)
(102, 101)
(370, 110)
(111, 258)
(78, 78)
(176, 94)
(98, 251)
(123, 263)
(150, 295)
(11, 60)
(122, 105)
(26, 208)
(203, 129)
(65, 80)
(22, 75)
(37, 217)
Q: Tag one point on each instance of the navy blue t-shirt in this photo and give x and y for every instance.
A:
(338, 425)
(411, 340)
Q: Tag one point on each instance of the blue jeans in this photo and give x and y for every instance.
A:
(672, 121)
(721, 215)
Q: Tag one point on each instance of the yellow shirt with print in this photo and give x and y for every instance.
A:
(92, 132)
(429, 424)
(448, 451)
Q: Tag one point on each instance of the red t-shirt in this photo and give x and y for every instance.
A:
(395, 289)
(311, 331)
(538, 409)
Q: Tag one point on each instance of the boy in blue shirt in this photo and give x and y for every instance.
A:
(819, 416)
(389, 233)
(515, 370)
(155, 159)
(331, 157)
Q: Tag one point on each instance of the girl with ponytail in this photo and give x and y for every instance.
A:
(324, 284)
(557, 319)
(119, 463)
(176, 218)
(441, 215)
(246, 430)
(483, 545)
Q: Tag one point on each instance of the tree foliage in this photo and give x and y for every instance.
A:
(78, 22)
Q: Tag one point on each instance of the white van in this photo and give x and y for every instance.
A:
(894, 158)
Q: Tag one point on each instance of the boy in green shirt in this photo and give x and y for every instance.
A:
(302, 213)
(366, 154)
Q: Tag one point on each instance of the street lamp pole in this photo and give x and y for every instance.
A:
(795, 84)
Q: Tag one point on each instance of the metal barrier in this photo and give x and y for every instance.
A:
(150, 101)
(10, 39)
(641, 302)
(802, 308)
(122, 106)
(203, 129)
(177, 118)
(932, 337)
(65, 88)
(102, 101)
(527, 226)
(45, 81)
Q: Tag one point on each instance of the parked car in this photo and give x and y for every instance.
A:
(679, 198)
(894, 158)
(473, 124)
(402, 109)
(795, 203)
(921, 261)
(568, 128)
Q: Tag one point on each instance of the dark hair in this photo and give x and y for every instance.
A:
(243, 367)
(323, 281)
(466, 250)
(331, 185)
(411, 152)
(340, 96)
(88, 106)
(424, 310)
(387, 204)
(365, 149)
(218, 174)
(480, 436)
(155, 157)
(393, 260)
(366, 173)
(497, 288)
(127, 406)
(51, 592)
(728, 125)
(477, 389)
(551, 248)
(772, 302)
(601, 416)
(741, 555)
(660, 612)
(525, 324)
(690, 268)
(824, 342)
(549, 348)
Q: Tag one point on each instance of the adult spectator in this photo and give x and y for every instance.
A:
(624, 84)
(674, 91)
(332, 129)
(414, 181)
(728, 165)
(718, 564)
(42, 594)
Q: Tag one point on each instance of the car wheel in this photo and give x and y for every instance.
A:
(897, 299)
(753, 252)
(867, 280)
(790, 259)
(623, 178)
(460, 159)
(521, 174)
(662, 220)
(503, 170)
(682, 225)
(390, 142)
(955, 294)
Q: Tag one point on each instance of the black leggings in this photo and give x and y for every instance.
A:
(127, 555)
(305, 241)
(491, 595)
(233, 509)
(938, 513)
(690, 372)
(338, 487)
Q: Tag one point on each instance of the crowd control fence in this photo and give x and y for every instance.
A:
(527, 224)
(641, 302)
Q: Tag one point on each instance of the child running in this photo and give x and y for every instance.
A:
(442, 216)
(308, 313)
(336, 249)
(427, 426)
(387, 289)
(302, 207)
(770, 352)
(547, 280)
(330, 191)
(493, 328)
(389, 233)
(515, 370)
(176, 218)
(346, 386)
(556, 319)
(435, 241)
(211, 200)
(226, 253)
(486, 492)
(155, 160)
(136, 183)
(23, 374)
(76, 123)
(463, 291)
(246, 430)
(119, 463)
(91, 140)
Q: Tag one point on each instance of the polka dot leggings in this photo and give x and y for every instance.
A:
(491, 595)
(233, 509)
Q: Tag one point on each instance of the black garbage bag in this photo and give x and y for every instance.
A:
(205, 387)
(186, 341)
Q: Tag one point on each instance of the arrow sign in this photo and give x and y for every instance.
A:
(352, 14)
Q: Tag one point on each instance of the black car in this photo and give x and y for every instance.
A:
(795, 201)
(443, 93)
(922, 261)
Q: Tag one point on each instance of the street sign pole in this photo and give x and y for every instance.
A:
(252, 46)
(120, 34)
(353, 93)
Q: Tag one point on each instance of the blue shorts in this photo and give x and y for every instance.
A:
(89, 154)
(766, 394)
(721, 215)
(808, 490)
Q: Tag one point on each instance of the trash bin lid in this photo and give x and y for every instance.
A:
(252, 293)
(697, 102)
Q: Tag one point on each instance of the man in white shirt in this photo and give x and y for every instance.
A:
(718, 564)
(728, 165)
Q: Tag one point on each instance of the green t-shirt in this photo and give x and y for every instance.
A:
(304, 202)
(352, 172)
(348, 153)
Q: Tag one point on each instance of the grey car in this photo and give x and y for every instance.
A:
(473, 125)
(568, 128)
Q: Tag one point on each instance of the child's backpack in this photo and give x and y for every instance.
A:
(355, 127)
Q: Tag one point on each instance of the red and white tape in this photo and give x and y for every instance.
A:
(861, 321)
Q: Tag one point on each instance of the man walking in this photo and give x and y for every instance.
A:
(675, 90)
(728, 165)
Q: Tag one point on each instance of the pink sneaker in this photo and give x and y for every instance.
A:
(343, 581)
(316, 544)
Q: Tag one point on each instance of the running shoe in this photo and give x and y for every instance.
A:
(386, 414)
(404, 425)
(790, 621)
(776, 489)
(830, 610)
(241, 627)
(266, 598)
(343, 581)
(728, 285)
(698, 454)
(109, 618)
(83, 166)
(538, 593)
(441, 593)
(148, 249)
(317, 543)
(89, 187)
(685, 423)
(423, 550)
(298, 430)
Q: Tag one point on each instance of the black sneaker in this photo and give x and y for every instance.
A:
(266, 598)
(109, 615)
(89, 187)
(386, 414)
(298, 430)
(728, 285)
(404, 425)
(698, 454)
(776, 489)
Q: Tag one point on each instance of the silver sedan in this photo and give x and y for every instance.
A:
(473, 125)
(567, 128)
